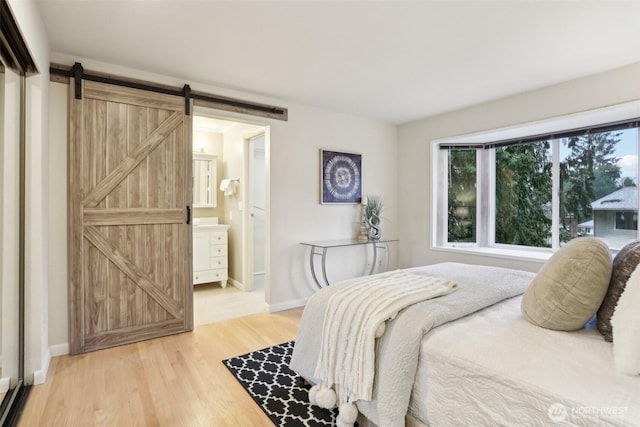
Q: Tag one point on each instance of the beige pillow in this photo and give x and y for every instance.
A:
(570, 287)
(624, 263)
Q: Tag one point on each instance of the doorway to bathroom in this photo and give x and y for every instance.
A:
(236, 220)
(256, 231)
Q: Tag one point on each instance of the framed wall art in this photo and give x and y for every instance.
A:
(340, 177)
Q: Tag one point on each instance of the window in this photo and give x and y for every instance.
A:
(462, 196)
(523, 194)
(538, 192)
(626, 220)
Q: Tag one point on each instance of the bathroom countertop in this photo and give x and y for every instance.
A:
(208, 223)
(209, 226)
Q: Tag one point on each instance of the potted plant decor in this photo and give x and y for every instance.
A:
(373, 210)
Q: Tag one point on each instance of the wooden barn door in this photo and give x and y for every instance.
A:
(129, 204)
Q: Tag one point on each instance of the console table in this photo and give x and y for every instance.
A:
(320, 249)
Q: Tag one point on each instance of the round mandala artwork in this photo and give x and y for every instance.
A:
(341, 179)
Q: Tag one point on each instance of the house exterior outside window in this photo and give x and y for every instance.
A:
(615, 217)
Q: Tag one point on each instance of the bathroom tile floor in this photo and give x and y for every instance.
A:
(212, 303)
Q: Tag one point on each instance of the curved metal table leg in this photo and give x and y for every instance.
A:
(386, 252)
(365, 269)
(324, 265)
(375, 258)
(384, 246)
(323, 254)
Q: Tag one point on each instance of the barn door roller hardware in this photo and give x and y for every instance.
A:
(77, 78)
(186, 92)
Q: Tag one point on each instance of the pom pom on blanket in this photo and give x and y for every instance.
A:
(324, 397)
(313, 392)
(347, 415)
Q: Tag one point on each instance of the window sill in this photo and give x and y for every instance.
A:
(540, 256)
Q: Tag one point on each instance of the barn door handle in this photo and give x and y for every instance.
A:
(188, 214)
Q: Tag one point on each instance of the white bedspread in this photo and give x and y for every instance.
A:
(398, 349)
(494, 368)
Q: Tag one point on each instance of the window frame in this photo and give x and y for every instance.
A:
(485, 188)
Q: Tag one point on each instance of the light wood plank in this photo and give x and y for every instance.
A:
(96, 216)
(183, 155)
(125, 95)
(172, 381)
(121, 336)
(115, 146)
(97, 318)
(137, 275)
(109, 183)
(117, 149)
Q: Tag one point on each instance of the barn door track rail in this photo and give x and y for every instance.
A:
(63, 74)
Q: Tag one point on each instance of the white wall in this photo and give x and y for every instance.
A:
(234, 204)
(414, 149)
(37, 203)
(292, 187)
(295, 214)
(58, 267)
(258, 172)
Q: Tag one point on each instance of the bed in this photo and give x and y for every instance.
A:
(495, 368)
(489, 366)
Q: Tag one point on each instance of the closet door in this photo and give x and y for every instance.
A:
(129, 203)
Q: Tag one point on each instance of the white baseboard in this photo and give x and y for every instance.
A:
(236, 284)
(59, 349)
(4, 384)
(40, 376)
(272, 308)
(63, 348)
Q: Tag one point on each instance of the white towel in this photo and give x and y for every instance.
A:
(347, 354)
(228, 186)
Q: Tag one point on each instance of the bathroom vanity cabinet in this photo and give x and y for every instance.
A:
(210, 254)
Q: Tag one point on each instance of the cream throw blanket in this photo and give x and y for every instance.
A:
(353, 314)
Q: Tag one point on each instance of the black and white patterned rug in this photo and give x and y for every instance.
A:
(281, 393)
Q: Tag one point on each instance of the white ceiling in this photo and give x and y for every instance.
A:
(390, 60)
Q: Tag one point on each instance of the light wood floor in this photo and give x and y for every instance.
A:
(172, 381)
